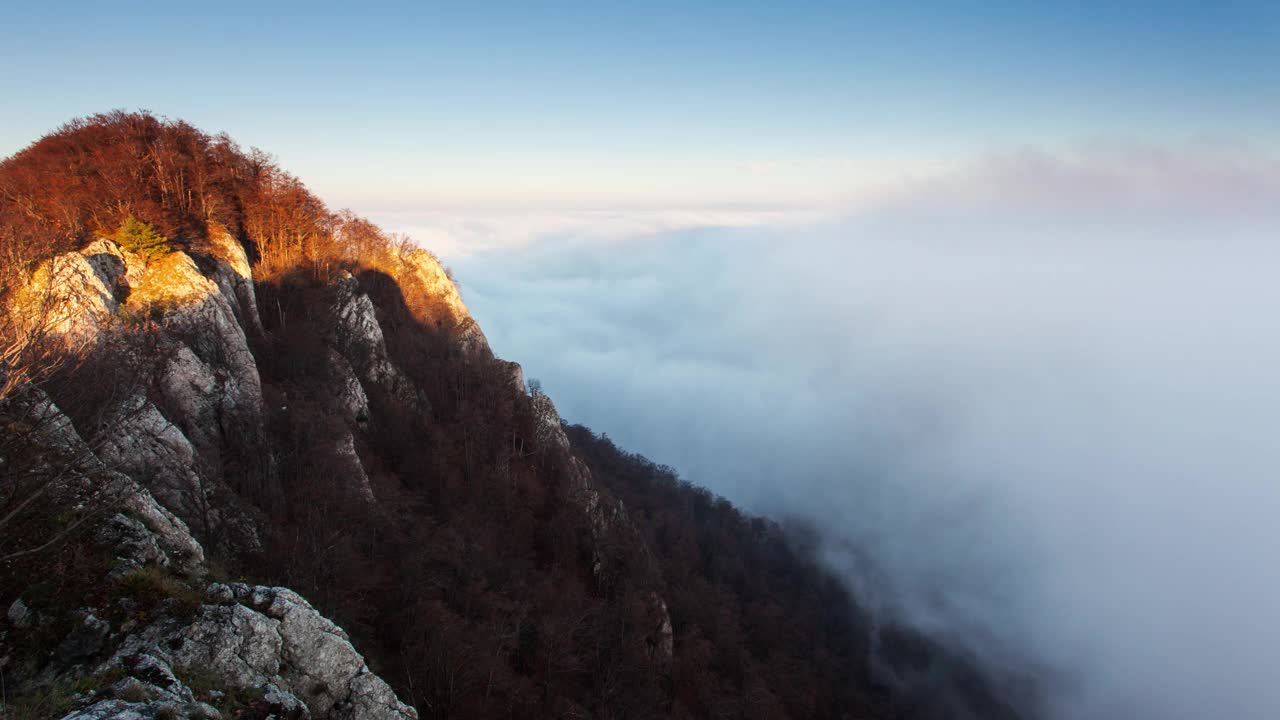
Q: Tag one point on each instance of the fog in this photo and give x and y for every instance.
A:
(1039, 396)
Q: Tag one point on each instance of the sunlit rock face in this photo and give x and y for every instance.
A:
(76, 295)
(424, 270)
(199, 392)
(359, 340)
(211, 377)
(210, 371)
(234, 276)
(202, 400)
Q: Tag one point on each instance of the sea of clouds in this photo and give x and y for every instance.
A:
(1039, 397)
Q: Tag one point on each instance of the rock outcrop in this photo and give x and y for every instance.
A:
(234, 276)
(267, 642)
(423, 270)
(160, 470)
(209, 649)
(171, 433)
(232, 645)
(358, 338)
(210, 379)
(79, 294)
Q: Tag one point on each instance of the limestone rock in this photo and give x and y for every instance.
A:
(235, 643)
(170, 533)
(136, 546)
(422, 268)
(234, 277)
(198, 307)
(20, 614)
(264, 641)
(220, 594)
(284, 705)
(154, 451)
(149, 690)
(79, 291)
(269, 639)
(348, 394)
(359, 336)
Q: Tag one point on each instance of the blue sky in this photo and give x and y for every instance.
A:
(423, 105)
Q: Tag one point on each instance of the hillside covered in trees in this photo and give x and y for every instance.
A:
(310, 398)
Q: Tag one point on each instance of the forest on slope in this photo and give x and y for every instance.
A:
(506, 565)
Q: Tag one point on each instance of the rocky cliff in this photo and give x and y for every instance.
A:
(194, 399)
(257, 460)
(156, 638)
(156, 471)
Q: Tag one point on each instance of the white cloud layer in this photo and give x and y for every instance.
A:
(455, 234)
(1041, 395)
(1205, 178)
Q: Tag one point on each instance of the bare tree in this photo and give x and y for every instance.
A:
(44, 461)
(43, 465)
(31, 349)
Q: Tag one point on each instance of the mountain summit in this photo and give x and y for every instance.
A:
(258, 460)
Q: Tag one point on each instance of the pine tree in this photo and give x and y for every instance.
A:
(137, 236)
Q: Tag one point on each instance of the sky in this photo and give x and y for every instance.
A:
(982, 290)
(653, 105)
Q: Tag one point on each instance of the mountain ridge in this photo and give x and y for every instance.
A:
(310, 402)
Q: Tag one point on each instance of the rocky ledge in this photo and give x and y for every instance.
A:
(267, 651)
(159, 641)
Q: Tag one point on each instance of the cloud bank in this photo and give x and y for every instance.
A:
(1040, 397)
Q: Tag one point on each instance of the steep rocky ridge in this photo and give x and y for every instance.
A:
(199, 398)
(199, 368)
(230, 399)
